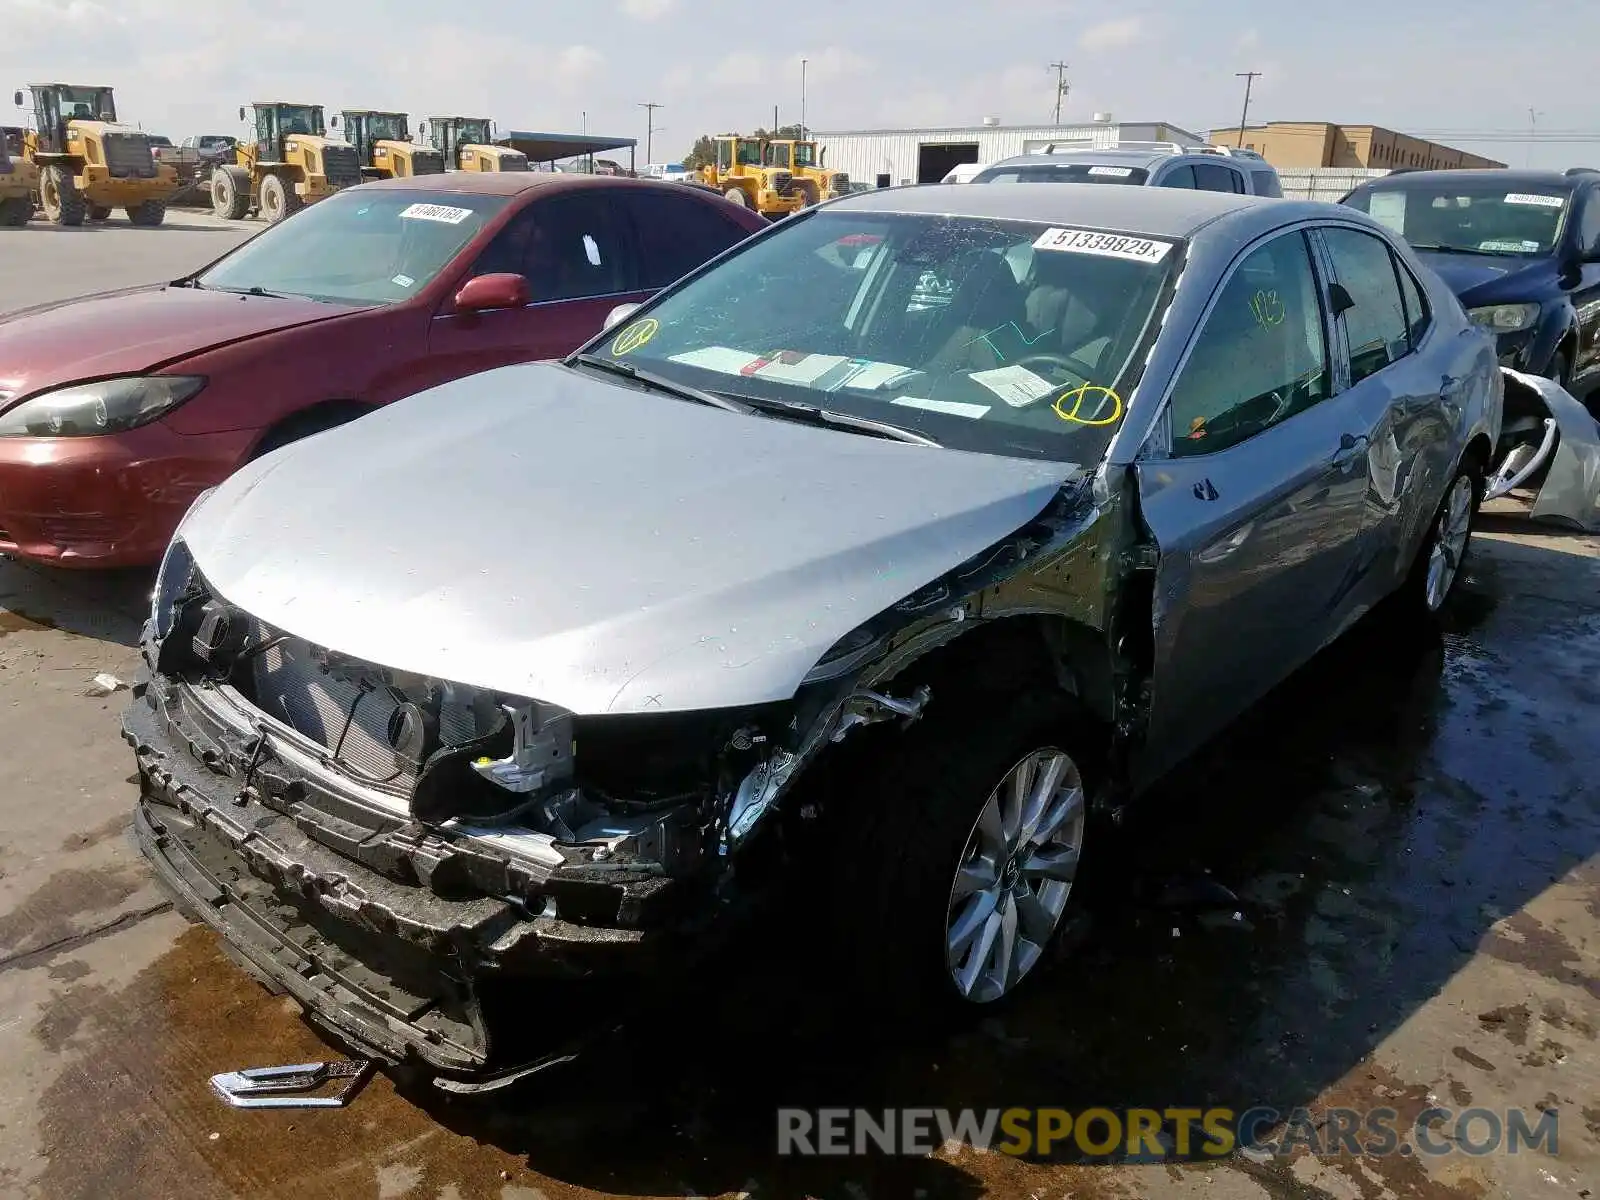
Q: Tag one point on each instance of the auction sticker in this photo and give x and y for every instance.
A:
(1106, 245)
(1111, 172)
(1535, 198)
(436, 212)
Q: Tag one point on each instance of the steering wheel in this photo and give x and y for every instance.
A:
(1082, 373)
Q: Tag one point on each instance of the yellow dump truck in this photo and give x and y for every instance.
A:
(19, 178)
(89, 164)
(808, 165)
(467, 144)
(739, 174)
(383, 144)
(290, 163)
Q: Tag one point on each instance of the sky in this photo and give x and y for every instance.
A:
(1443, 71)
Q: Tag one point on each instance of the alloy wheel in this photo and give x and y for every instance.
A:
(1011, 885)
(1450, 536)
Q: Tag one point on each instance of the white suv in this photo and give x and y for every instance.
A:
(1147, 164)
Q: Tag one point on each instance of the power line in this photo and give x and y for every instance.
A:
(1062, 88)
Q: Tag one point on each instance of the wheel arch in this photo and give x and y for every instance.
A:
(303, 422)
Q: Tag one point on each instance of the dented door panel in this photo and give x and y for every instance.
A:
(1257, 545)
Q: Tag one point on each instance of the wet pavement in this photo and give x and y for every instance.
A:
(1382, 888)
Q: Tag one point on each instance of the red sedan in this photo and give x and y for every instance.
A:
(116, 410)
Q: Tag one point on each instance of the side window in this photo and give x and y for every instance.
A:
(1375, 328)
(1589, 225)
(1261, 356)
(1417, 314)
(1179, 177)
(677, 233)
(575, 248)
(507, 252)
(1214, 177)
(1266, 184)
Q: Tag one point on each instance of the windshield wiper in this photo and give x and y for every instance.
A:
(1438, 249)
(681, 390)
(259, 291)
(842, 420)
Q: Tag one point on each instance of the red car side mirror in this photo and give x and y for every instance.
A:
(500, 290)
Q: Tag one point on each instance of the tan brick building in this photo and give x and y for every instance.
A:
(1320, 144)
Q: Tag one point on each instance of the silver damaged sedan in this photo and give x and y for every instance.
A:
(880, 552)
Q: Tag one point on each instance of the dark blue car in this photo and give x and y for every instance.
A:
(1520, 248)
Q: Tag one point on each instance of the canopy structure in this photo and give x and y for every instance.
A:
(548, 147)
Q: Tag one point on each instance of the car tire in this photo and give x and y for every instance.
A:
(933, 821)
(60, 198)
(737, 196)
(230, 192)
(16, 212)
(278, 198)
(1443, 556)
(149, 214)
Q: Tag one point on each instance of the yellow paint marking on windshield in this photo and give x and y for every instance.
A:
(1268, 309)
(1069, 404)
(634, 336)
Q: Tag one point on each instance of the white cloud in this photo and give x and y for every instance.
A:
(1111, 35)
(577, 63)
(1248, 40)
(648, 10)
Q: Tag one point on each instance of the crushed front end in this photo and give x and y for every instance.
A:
(405, 855)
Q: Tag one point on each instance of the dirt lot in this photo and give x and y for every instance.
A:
(1411, 831)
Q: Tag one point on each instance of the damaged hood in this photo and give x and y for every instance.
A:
(1478, 279)
(546, 533)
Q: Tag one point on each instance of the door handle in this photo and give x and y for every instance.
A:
(1351, 447)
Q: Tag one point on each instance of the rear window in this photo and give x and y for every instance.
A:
(1265, 183)
(1064, 173)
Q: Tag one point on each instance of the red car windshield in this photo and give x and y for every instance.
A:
(358, 247)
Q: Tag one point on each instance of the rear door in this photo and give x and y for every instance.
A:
(1257, 508)
(576, 251)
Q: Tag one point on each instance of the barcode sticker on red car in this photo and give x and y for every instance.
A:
(1107, 245)
(436, 212)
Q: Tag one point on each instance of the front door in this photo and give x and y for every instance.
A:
(1586, 295)
(579, 262)
(1258, 510)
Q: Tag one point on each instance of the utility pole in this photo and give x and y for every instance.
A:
(1533, 130)
(1249, 78)
(649, 130)
(1060, 68)
(802, 99)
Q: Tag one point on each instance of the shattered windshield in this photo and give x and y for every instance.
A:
(358, 247)
(1007, 336)
(1469, 218)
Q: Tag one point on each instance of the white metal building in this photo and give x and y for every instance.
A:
(927, 155)
(1324, 183)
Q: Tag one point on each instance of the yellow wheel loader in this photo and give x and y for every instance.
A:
(809, 167)
(19, 178)
(467, 144)
(738, 173)
(89, 164)
(383, 143)
(290, 163)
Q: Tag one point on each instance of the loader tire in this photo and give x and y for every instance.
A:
(278, 198)
(98, 212)
(230, 192)
(149, 214)
(62, 201)
(736, 194)
(16, 212)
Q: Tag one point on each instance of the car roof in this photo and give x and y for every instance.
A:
(1162, 212)
(513, 183)
(1511, 176)
(1109, 158)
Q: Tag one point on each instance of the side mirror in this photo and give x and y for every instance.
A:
(16, 98)
(335, 121)
(499, 290)
(1341, 299)
(618, 315)
(241, 112)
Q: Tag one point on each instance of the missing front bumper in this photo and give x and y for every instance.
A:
(473, 987)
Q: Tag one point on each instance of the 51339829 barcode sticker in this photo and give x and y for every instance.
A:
(436, 212)
(1106, 245)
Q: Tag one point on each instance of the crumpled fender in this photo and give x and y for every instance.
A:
(1570, 493)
